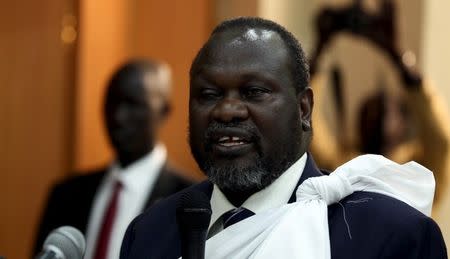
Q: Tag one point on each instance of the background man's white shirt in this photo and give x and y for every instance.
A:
(137, 182)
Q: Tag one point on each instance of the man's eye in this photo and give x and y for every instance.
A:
(210, 94)
(255, 92)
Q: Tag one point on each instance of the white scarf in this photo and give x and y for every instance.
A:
(300, 229)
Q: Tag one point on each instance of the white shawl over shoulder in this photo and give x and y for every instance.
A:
(300, 229)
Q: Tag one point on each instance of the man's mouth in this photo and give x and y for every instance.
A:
(231, 141)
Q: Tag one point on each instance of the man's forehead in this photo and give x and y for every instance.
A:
(253, 34)
(158, 81)
(148, 82)
(243, 49)
(243, 44)
(241, 36)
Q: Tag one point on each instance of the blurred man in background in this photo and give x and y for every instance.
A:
(102, 203)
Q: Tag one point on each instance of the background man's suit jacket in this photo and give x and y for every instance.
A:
(375, 226)
(70, 202)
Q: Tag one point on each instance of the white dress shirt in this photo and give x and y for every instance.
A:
(137, 181)
(274, 195)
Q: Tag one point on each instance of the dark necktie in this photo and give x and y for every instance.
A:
(234, 216)
(108, 221)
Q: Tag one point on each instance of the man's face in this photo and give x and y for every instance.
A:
(244, 114)
(129, 120)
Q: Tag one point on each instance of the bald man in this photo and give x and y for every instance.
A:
(102, 203)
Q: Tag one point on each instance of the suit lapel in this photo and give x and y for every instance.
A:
(206, 187)
(166, 185)
(89, 184)
(160, 187)
(311, 170)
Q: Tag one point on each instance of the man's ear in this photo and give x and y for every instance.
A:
(306, 103)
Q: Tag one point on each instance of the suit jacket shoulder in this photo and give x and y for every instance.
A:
(372, 225)
(68, 203)
(169, 181)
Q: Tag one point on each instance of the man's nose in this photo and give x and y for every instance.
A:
(230, 109)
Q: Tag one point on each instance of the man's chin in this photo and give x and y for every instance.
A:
(243, 160)
(237, 177)
(243, 164)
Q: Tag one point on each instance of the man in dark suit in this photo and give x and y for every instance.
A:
(102, 203)
(250, 127)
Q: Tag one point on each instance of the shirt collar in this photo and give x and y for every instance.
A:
(274, 195)
(141, 171)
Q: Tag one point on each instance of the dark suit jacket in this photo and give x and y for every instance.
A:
(70, 201)
(363, 225)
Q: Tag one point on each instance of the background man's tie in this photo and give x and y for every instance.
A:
(108, 221)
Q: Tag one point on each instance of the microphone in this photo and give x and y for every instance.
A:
(193, 216)
(65, 242)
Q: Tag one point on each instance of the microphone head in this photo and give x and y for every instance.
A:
(193, 211)
(68, 240)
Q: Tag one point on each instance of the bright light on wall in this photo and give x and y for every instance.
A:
(68, 32)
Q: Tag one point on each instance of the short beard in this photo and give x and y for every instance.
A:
(238, 179)
(234, 178)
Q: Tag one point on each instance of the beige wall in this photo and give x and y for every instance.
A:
(36, 75)
(226, 9)
(105, 42)
(436, 46)
(436, 64)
